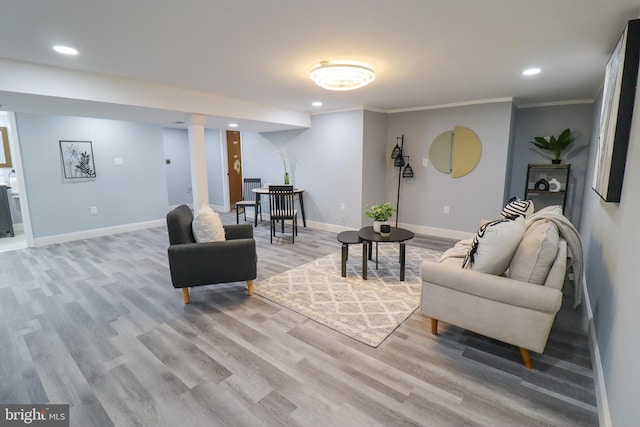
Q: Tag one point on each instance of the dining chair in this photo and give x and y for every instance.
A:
(249, 199)
(281, 208)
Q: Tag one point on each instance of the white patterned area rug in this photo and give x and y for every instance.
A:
(366, 310)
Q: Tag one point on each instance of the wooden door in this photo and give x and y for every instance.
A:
(234, 165)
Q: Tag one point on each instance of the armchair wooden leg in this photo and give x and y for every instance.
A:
(250, 287)
(185, 295)
(526, 358)
(434, 326)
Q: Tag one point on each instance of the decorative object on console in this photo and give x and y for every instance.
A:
(456, 153)
(556, 145)
(618, 97)
(542, 185)
(385, 230)
(398, 161)
(380, 214)
(554, 185)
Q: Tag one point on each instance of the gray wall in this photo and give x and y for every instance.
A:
(470, 198)
(325, 160)
(134, 192)
(610, 236)
(547, 121)
(374, 162)
(176, 148)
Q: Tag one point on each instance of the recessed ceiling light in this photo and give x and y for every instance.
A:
(233, 125)
(531, 71)
(66, 50)
(316, 104)
(342, 75)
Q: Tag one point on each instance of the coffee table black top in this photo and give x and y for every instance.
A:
(349, 237)
(396, 235)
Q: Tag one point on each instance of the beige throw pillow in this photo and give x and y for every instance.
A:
(494, 246)
(207, 226)
(536, 253)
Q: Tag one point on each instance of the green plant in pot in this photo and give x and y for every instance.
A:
(380, 214)
(557, 145)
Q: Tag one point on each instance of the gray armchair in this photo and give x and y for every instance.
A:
(196, 264)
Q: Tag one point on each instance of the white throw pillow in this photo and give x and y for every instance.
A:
(535, 253)
(517, 207)
(207, 226)
(494, 246)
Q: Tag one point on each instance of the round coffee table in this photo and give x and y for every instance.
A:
(397, 235)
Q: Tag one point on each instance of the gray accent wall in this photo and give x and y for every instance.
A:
(325, 160)
(131, 193)
(470, 198)
(611, 247)
(374, 162)
(547, 121)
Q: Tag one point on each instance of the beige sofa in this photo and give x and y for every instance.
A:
(514, 311)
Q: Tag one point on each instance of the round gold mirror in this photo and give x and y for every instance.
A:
(457, 152)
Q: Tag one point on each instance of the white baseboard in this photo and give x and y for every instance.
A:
(97, 232)
(604, 415)
(437, 232)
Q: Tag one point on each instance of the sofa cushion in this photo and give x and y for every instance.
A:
(517, 207)
(535, 253)
(207, 226)
(494, 246)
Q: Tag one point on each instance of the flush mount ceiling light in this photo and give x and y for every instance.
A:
(66, 50)
(342, 75)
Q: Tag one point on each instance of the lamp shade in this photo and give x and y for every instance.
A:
(397, 152)
(342, 75)
(407, 172)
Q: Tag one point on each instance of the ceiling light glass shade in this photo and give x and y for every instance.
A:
(338, 75)
(531, 71)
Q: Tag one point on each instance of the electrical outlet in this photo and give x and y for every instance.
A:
(93, 210)
(425, 162)
(342, 207)
(446, 210)
(118, 161)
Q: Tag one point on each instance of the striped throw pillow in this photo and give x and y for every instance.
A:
(517, 207)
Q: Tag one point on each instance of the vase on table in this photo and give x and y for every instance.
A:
(286, 178)
(377, 224)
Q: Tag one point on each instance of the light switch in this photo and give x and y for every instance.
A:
(425, 162)
(118, 161)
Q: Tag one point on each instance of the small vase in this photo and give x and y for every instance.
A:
(556, 161)
(286, 178)
(377, 224)
(385, 230)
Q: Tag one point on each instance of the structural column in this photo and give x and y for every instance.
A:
(198, 161)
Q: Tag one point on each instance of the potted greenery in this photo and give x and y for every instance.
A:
(555, 145)
(380, 214)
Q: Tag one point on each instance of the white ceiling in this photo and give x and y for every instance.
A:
(425, 52)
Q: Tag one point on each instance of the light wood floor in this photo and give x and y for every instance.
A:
(97, 324)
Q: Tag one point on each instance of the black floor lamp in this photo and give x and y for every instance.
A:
(398, 161)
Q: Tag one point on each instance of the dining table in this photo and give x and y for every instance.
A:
(260, 191)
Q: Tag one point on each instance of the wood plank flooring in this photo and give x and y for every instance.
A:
(96, 324)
